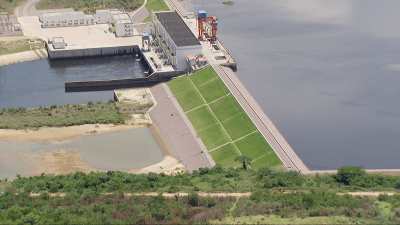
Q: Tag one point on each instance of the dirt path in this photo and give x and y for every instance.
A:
(166, 195)
(216, 194)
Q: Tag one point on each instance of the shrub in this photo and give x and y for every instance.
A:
(346, 175)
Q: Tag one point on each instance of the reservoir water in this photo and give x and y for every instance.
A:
(326, 72)
(41, 82)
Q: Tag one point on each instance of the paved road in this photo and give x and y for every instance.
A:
(140, 14)
(26, 9)
(177, 132)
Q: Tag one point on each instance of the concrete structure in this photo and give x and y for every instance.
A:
(123, 25)
(9, 25)
(66, 19)
(103, 16)
(265, 126)
(134, 101)
(58, 43)
(175, 39)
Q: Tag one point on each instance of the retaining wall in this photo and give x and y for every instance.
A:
(89, 52)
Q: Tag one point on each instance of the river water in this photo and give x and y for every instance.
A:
(326, 72)
(41, 82)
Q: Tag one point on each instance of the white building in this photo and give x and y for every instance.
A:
(103, 16)
(123, 25)
(175, 38)
(66, 19)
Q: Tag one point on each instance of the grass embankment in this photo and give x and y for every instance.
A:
(19, 45)
(156, 5)
(9, 5)
(59, 116)
(90, 6)
(219, 120)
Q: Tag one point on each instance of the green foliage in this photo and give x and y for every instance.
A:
(275, 193)
(57, 116)
(9, 5)
(244, 160)
(14, 46)
(90, 6)
(348, 175)
(156, 5)
(206, 180)
(193, 199)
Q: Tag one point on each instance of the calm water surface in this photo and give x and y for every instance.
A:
(121, 150)
(326, 72)
(40, 83)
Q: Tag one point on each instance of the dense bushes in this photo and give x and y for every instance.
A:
(208, 180)
(277, 193)
(101, 209)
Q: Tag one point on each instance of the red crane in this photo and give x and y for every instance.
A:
(207, 26)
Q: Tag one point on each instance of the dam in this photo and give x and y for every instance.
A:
(328, 81)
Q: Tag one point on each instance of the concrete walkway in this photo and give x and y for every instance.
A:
(177, 132)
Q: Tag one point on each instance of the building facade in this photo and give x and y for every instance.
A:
(66, 19)
(175, 39)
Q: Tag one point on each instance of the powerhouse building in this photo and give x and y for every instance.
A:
(175, 38)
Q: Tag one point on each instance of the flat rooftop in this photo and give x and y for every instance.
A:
(177, 29)
(80, 37)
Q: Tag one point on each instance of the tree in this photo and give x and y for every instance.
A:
(244, 160)
(193, 199)
(347, 174)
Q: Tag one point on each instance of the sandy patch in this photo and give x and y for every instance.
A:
(168, 165)
(61, 162)
(22, 57)
(56, 134)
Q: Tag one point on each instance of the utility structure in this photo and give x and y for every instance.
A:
(207, 26)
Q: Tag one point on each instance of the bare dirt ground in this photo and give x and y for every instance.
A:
(54, 134)
(62, 162)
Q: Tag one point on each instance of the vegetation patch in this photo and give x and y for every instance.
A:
(90, 6)
(220, 121)
(13, 46)
(156, 5)
(277, 197)
(226, 156)
(9, 5)
(58, 116)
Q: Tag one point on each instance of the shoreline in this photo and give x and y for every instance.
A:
(25, 56)
(62, 161)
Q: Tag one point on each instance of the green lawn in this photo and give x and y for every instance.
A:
(219, 120)
(225, 156)
(188, 96)
(156, 5)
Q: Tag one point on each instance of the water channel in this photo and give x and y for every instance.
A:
(41, 82)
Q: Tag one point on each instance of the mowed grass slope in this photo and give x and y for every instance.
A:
(220, 122)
